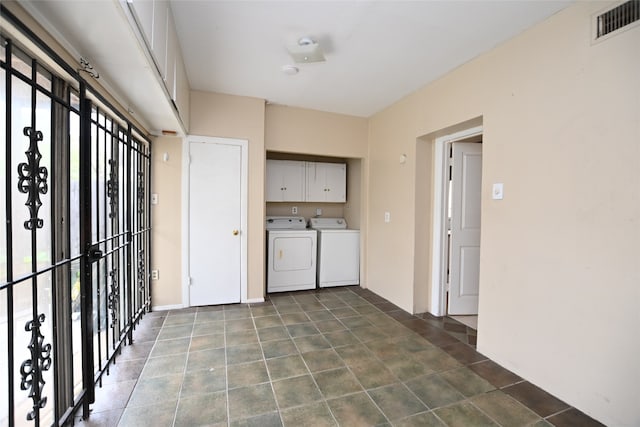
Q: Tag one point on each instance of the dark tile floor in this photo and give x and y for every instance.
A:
(341, 356)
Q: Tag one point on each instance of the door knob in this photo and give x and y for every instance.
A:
(236, 232)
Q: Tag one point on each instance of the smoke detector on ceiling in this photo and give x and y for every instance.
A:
(307, 50)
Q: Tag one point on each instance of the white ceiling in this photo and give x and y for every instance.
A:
(376, 51)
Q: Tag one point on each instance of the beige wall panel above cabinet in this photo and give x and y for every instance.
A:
(285, 181)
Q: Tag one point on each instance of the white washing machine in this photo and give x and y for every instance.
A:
(338, 252)
(291, 254)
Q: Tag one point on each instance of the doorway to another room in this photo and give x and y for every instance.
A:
(456, 250)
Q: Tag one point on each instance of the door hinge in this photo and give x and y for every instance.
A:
(190, 280)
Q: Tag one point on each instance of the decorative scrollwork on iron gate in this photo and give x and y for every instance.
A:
(112, 188)
(114, 296)
(31, 369)
(32, 179)
(141, 272)
(140, 194)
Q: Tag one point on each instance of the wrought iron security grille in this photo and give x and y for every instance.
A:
(75, 248)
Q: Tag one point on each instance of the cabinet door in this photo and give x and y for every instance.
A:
(335, 182)
(326, 182)
(144, 15)
(285, 181)
(159, 40)
(315, 188)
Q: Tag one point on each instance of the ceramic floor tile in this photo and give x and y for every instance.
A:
(296, 391)
(267, 310)
(273, 333)
(504, 409)
(356, 410)
(157, 415)
(322, 360)
(341, 338)
(247, 402)
(202, 382)
(238, 325)
(286, 367)
(243, 354)
(173, 332)
(337, 382)
(205, 360)
(234, 338)
(328, 354)
(294, 318)
(320, 315)
(573, 417)
(536, 399)
(247, 374)
(372, 373)
(278, 348)
(265, 420)
(331, 325)
(311, 343)
(424, 419)
(302, 330)
(434, 391)
(267, 321)
(396, 401)
(494, 373)
(207, 342)
(406, 368)
(466, 381)
(316, 415)
(100, 419)
(113, 396)
(208, 328)
(464, 415)
(156, 390)
(201, 410)
(165, 365)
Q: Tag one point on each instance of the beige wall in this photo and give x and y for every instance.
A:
(298, 130)
(559, 268)
(167, 222)
(243, 118)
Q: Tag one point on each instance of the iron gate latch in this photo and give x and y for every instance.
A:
(94, 253)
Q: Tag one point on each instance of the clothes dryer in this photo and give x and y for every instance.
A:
(291, 254)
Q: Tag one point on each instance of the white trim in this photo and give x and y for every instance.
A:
(244, 146)
(439, 231)
(253, 301)
(167, 307)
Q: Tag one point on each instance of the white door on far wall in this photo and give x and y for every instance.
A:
(464, 261)
(215, 219)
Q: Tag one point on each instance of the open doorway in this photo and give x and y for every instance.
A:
(456, 225)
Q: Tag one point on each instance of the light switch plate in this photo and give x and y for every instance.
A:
(154, 199)
(387, 217)
(497, 191)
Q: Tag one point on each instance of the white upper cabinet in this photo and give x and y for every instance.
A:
(326, 182)
(159, 40)
(285, 181)
(144, 16)
(172, 54)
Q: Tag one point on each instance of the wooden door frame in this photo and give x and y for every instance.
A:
(439, 225)
(244, 176)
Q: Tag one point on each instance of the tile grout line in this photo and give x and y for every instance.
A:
(184, 370)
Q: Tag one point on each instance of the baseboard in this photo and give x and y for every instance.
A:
(167, 307)
(253, 301)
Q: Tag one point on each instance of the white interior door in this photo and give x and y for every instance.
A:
(215, 208)
(464, 252)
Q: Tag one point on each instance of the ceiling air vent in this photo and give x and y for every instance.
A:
(616, 18)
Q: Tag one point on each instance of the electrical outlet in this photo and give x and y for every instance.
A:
(318, 211)
(154, 199)
(294, 210)
(155, 274)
